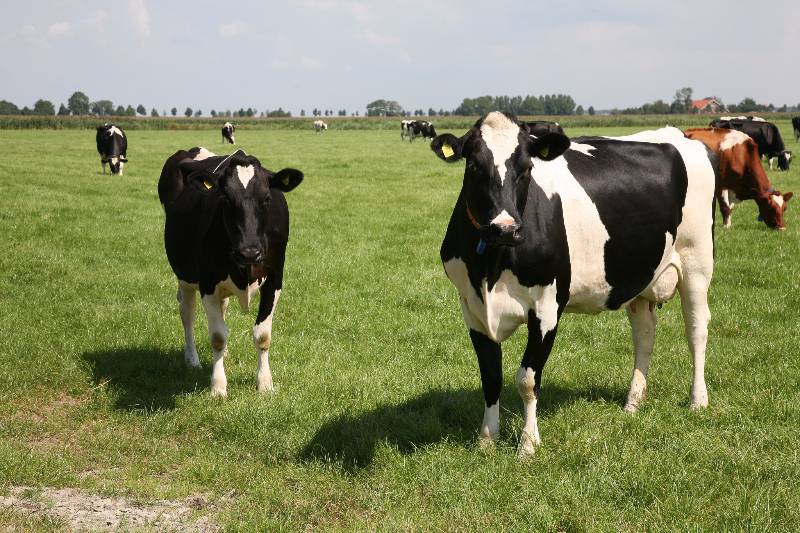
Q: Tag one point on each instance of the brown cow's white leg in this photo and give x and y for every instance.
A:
(642, 318)
(262, 338)
(693, 289)
(186, 299)
(218, 334)
(725, 207)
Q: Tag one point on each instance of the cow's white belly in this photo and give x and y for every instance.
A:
(227, 288)
(499, 311)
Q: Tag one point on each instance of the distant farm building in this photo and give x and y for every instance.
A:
(707, 105)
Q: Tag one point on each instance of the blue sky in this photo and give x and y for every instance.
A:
(335, 54)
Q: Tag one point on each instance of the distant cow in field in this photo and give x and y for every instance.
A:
(320, 126)
(539, 128)
(227, 133)
(112, 145)
(404, 129)
(741, 172)
(766, 135)
(796, 128)
(226, 230)
(547, 225)
(420, 128)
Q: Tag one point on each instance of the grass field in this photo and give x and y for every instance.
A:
(374, 422)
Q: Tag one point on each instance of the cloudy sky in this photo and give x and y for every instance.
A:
(333, 54)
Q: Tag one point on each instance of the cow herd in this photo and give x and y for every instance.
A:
(543, 224)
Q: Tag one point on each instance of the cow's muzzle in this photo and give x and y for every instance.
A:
(502, 234)
(249, 255)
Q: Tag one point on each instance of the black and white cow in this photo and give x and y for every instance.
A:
(539, 128)
(766, 135)
(112, 145)
(796, 128)
(420, 128)
(544, 225)
(405, 128)
(227, 133)
(320, 126)
(226, 230)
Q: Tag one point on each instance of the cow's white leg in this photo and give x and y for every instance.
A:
(120, 168)
(693, 289)
(643, 330)
(725, 207)
(218, 334)
(770, 162)
(490, 358)
(186, 299)
(262, 338)
(526, 384)
(103, 164)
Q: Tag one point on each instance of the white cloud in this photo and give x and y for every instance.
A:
(372, 37)
(59, 29)
(140, 16)
(309, 63)
(233, 29)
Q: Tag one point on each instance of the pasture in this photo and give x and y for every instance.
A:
(374, 422)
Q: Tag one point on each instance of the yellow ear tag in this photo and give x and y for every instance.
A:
(544, 151)
(447, 150)
(208, 184)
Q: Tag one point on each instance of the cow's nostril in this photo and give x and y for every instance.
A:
(250, 254)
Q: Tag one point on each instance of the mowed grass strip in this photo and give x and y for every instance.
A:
(375, 419)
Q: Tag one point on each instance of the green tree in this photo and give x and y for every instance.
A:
(130, 111)
(682, 101)
(141, 109)
(188, 112)
(213, 113)
(174, 111)
(102, 107)
(579, 110)
(62, 110)
(590, 110)
(198, 113)
(302, 112)
(44, 107)
(7, 108)
(78, 103)
(384, 108)
(119, 111)
(153, 112)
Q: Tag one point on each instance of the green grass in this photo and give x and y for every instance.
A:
(375, 419)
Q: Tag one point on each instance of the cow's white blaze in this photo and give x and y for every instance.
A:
(503, 219)
(732, 139)
(501, 136)
(586, 235)
(778, 199)
(262, 338)
(245, 174)
(113, 130)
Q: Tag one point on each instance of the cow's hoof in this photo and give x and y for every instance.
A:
(192, 360)
(219, 392)
(486, 444)
(527, 446)
(265, 386)
(631, 407)
(697, 405)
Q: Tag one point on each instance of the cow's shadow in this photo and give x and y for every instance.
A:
(440, 415)
(145, 378)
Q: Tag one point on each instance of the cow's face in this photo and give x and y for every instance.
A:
(244, 192)
(115, 163)
(771, 211)
(500, 153)
(783, 160)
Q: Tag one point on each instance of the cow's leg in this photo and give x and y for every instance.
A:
(186, 299)
(725, 207)
(490, 359)
(541, 334)
(121, 164)
(771, 159)
(262, 334)
(642, 317)
(218, 334)
(693, 288)
(103, 165)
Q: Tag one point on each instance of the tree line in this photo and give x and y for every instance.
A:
(682, 103)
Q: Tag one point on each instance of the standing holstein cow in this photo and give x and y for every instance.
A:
(320, 126)
(544, 225)
(112, 145)
(741, 172)
(227, 226)
(227, 133)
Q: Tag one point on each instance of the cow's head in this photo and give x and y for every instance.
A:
(115, 162)
(500, 153)
(243, 190)
(783, 159)
(772, 208)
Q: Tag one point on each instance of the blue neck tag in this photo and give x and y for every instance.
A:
(481, 247)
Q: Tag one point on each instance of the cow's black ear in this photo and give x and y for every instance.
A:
(448, 147)
(123, 159)
(203, 180)
(549, 146)
(286, 179)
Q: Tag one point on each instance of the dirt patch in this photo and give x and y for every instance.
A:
(82, 511)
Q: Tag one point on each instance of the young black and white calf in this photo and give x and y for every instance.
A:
(112, 145)
(544, 225)
(227, 133)
(226, 230)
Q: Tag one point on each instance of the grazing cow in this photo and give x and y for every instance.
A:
(320, 126)
(539, 128)
(227, 133)
(741, 172)
(544, 225)
(405, 128)
(112, 145)
(796, 127)
(743, 117)
(420, 128)
(227, 225)
(765, 134)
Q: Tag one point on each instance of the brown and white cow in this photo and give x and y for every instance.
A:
(741, 172)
